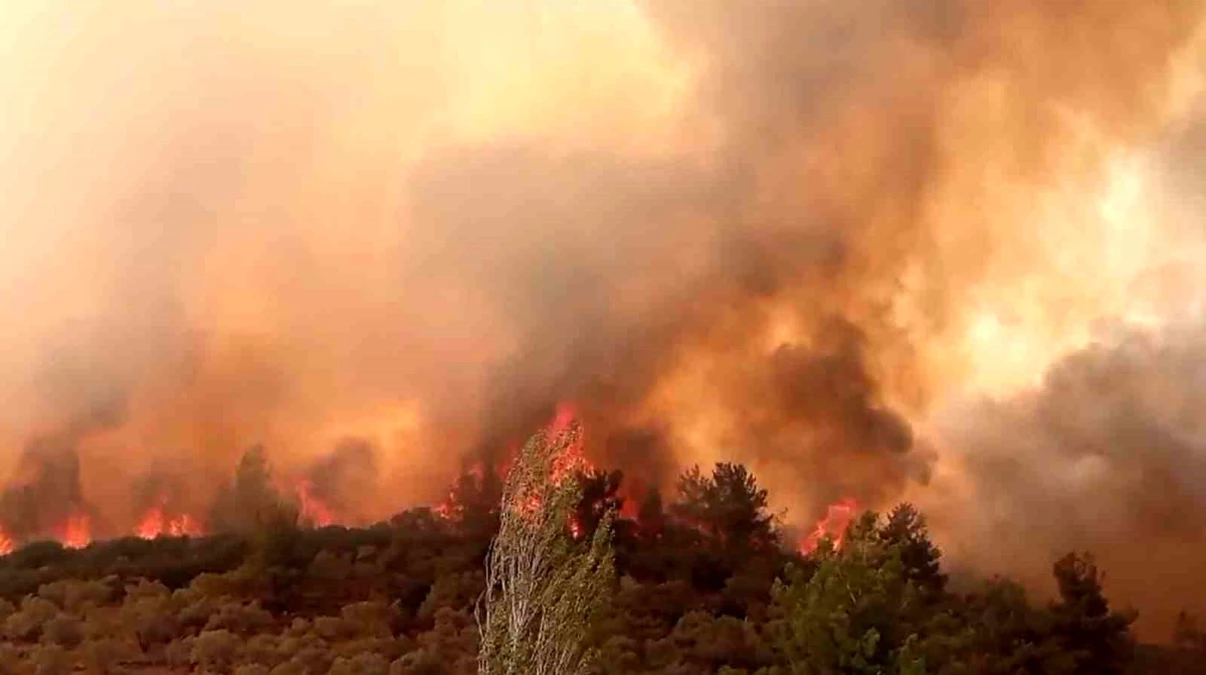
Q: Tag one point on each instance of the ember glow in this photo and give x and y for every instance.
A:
(858, 247)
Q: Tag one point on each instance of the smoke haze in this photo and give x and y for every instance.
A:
(939, 250)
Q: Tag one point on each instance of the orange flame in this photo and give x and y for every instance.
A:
(7, 545)
(448, 510)
(151, 525)
(312, 508)
(571, 460)
(76, 532)
(184, 526)
(837, 518)
(154, 524)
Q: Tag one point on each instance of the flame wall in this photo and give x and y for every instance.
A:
(866, 247)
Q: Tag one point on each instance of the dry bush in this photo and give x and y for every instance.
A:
(194, 616)
(216, 649)
(146, 589)
(26, 624)
(7, 609)
(361, 664)
(289, 668)
(316, 658)
(75, 595)
(389, 647)
(151, 618)
(298, 627)
(10, 660)
(332, 628)
(452, 590)
(243, 619)
(264, 649)
(52, 660)
(369, 619)
(63, 630)
(100, 655)
(216, 586)
(308, 650)
(179, 653)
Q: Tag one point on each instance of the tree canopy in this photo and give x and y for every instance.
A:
(696, 580)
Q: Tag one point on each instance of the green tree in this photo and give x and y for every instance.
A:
(905, 528)
(861, 610)
(250, 502)
(543, 588)
(1101, 638)
(841, 618)
(728, 506)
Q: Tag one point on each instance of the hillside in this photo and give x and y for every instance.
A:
(696, 593)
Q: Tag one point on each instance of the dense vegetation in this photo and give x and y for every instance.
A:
(703, 584)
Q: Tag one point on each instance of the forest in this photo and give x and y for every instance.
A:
(699, 580)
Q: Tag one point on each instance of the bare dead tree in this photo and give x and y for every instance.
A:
(543, 588)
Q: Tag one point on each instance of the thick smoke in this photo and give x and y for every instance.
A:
(1108, 455)
(783, 233)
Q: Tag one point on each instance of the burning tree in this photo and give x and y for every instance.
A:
(543, 588)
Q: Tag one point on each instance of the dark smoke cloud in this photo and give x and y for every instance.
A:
(1108, 455)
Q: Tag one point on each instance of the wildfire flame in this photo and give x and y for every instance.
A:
(76, 531)
(571, 460)
(313, 510)
(447, 509)
(6, 543)
(837, 518)
(155, 524)
(566, 464)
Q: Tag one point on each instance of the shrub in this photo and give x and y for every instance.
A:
(239, 618)
(63, 630)
(27, 623)
(215, 649)
(368, 619)
(150, 619)
(52, 660)
(331, 627)
(99, 655)
(264, 649)
(7, 609)
(10, 660)
(179, 653)
(361, 664)
(289, 668)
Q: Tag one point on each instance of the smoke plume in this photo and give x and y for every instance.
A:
(801, 235)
